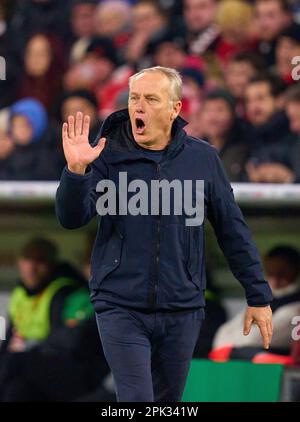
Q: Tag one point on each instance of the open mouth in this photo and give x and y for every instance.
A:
(140, 126)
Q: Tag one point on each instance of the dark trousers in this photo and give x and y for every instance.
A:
(149, 354)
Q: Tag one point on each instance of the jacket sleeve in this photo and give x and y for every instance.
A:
(234, 236)
(76, 195)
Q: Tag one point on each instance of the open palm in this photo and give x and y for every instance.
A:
(77, 149)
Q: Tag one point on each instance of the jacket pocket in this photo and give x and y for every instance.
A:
(110, 259)
(194, 265)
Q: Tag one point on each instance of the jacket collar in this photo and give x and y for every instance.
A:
(117, 150)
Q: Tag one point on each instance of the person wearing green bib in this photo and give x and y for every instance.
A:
(51, 347)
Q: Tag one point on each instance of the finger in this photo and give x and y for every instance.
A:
(86, 126)
(71, 127)
(265, 334)
(78, 123)
(65, 132)
(247, 325)
(270, 330)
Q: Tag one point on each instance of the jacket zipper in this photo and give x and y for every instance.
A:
(158, 218)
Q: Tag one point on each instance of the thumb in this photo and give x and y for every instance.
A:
(100, 146)
(247, 325)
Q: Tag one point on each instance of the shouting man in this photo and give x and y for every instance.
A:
(148, 269)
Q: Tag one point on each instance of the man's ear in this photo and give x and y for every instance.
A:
(176, 109)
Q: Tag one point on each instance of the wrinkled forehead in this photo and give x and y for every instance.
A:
(151, 83)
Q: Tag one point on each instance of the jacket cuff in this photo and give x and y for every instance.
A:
(70, 174)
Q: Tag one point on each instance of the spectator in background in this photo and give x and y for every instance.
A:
(82, 25)
(282, 266)
(201, 29)
(43, 70)
(9, 71)
(149, 21)
(270, 157)
(51, 351)
(240, 69)
(235, 20)
(31, 151)
(228, 134)
(170, 50)
(96, 67)
(112, 20)
(292, 108)
(192, 97)
(32, 16)
(84, 101)
(272, 17)
(287, 47)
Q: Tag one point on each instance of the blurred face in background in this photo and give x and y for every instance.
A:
(199, 14)
(260, 103)
(271, 19)
(216, 118)
(237, 77)
(168, 54)
(279, 272)
(21, 131)
(38, 56)
(293, 112)
(111, 18)
(146, 18)
(286, 49)
(33, 272)
(82, 20)
(74, 104)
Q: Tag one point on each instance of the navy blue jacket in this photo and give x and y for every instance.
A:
(156, 261)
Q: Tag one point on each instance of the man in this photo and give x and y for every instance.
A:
(228, 134)
(282, 264)
(272, 17)
(85, 101)
(201, 30)
(240, 70)
(292, 108)
(51, 351)
(270, 158)
(148, 277)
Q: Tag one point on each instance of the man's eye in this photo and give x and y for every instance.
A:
(153, 100)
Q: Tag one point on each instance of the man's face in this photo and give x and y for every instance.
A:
(168, 54)
(293, 113)
(145, 18)
(271, 19)
(151, 110)
(33, 272)
(286, 50)
(260, 103)
(82, 20)
(74, 104)
(279, 272)
(237, 76)
(217, 117)
(199, 14)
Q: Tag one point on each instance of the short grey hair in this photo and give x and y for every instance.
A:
(173, 76)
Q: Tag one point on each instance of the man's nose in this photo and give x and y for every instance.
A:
(140, 106)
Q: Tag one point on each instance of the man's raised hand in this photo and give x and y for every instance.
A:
(77, 149)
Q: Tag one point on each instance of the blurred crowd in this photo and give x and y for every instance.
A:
(52, 350)
(238, 60)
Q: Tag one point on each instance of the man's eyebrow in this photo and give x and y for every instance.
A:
(145, 95)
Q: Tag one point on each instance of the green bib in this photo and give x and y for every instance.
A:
(30, 315)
